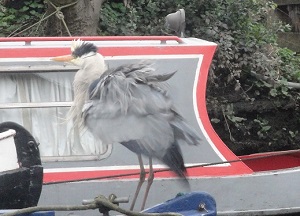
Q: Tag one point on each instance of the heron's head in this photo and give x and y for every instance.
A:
(82, 53)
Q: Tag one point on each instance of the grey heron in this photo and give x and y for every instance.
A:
(129, 105)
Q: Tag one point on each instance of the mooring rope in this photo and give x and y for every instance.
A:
(58, 14)
(100, 202)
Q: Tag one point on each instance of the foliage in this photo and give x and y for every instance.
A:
(140, 19)
(289, 63)
(116, 20)
(245, 36)
(16, 17)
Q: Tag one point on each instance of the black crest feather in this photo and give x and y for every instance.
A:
(85, 48)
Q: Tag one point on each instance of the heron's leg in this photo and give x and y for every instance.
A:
(150, 181)
(141, 181)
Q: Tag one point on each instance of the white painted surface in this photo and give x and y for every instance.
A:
(8, 153)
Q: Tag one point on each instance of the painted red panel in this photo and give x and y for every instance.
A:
(272, 160)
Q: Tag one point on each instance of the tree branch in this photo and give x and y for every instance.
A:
(267, 79)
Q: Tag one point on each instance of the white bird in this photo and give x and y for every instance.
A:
(130, 106)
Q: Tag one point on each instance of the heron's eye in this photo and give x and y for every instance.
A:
(76, 53)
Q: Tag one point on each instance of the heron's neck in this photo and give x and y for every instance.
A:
(92, 67)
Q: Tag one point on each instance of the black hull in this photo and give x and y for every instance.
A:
(20, 188)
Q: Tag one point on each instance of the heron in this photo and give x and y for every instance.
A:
(129, 105)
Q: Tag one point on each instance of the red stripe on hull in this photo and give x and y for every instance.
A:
(134, 174)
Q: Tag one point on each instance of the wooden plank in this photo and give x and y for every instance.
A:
(290, 40)
(286, 2)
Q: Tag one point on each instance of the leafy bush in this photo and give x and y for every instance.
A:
(246, 37)
(16, 17)
(289, 64)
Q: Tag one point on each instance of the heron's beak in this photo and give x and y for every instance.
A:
(64, 58)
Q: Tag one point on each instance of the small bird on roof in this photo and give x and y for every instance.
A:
(129, 105)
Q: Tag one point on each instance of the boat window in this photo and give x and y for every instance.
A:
(40, 102)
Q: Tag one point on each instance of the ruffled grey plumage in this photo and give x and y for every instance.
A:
(129, 105)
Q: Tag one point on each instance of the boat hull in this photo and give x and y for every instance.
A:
(20, 188)
(263, 193)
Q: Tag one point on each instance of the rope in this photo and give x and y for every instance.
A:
(279, 153)
(57, 12)
(100, 202)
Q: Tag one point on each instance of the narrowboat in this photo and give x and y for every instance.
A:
(37, 94)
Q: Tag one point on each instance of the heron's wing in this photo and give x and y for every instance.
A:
(125, 106)
(153, 132)
(184, 132)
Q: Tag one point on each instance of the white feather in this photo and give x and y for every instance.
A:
(75, 44)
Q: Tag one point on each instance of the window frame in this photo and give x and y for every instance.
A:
(29, 65)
